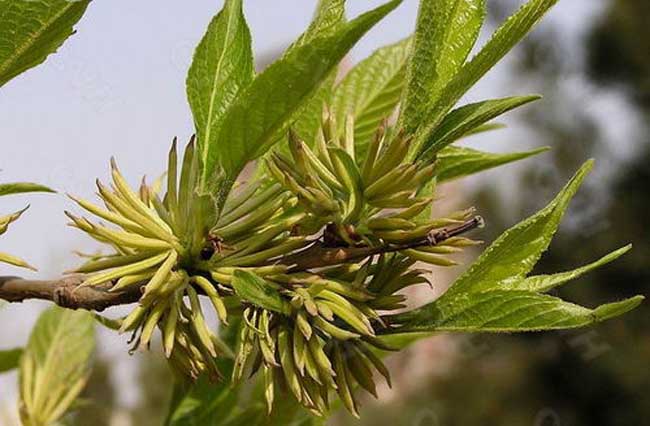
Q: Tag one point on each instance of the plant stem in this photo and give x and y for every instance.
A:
(66, 292)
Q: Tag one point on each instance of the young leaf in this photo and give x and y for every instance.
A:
(329, 16)
(222, 66)
(455, 162)
(487, 127)
(258, 291)
(269, 104)
(54, 366)
(503, 40)
(9, 359)
(507, 311)
(512, 256)
(21, 188)
(309, 118)
(31, 30)
(372, 90)
(445, 33)
(467, 118)
(203, 402)
(543, 283)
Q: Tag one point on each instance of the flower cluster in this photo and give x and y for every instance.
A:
(312, 255)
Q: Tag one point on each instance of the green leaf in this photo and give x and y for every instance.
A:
(258, 291)
(543, 283)
(9, 359)
(32, 30)
(309, 119)
(467, 118)
(270, 103)
(329, 16)
(222, 66)
(427, 190)
(454, 162)
(487, 127)
(494, 295)
(203, 403)
(21, 188)
(445, 33)
(503, 40)
(507, 311)
(513, 255)
(371, 91)
(54, 367)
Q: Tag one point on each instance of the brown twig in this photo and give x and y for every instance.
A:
(66, 292)
(318, 256)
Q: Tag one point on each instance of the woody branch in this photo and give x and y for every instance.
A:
(66, 291)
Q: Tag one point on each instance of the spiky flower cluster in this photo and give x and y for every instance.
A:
(372, 232)
(374, 202)
(154, 239)
(312, 258)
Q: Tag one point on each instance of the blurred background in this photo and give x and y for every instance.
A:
(117, 88)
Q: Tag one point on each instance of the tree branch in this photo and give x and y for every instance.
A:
(65, 292)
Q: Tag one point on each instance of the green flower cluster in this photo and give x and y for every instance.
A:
(310, 257)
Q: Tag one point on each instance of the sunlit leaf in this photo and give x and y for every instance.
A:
(514, 254)
(258, 291)
(494, 295)
(269, 104)
(203, 403)
(32, 30)
(542, 283)
(328, 18)
(508, 311)
(372, 90)
(503, 40)
(222, 66)
(463, 120)
(455, 162)
(445, 33)
(55, 365)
